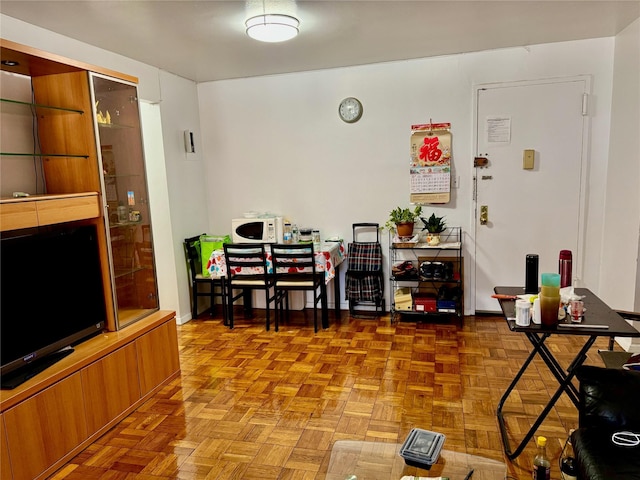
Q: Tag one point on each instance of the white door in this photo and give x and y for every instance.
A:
(540, 210)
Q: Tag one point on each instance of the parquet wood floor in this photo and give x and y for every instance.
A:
(252, 404)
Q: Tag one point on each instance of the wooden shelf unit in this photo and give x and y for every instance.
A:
(53, 416)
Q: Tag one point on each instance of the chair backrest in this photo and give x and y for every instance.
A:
(245, 259)
(293, 259)
(192, 254)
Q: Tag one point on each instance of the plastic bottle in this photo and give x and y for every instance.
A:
(541, 463)
(295, 237)
(564, 268)
(286, 237)
(568, 469)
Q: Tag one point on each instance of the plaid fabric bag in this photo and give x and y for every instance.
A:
(364, 279)
(364, 257)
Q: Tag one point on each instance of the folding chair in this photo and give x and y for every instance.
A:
(364, 273)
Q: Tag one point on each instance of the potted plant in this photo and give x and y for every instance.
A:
(402, 220)
(434, 227)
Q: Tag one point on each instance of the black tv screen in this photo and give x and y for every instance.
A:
(51, 294)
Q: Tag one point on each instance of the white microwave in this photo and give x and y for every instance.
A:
(256, 230)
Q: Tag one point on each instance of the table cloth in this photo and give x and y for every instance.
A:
(331, 255)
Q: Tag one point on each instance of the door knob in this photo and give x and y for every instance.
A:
(484, 214)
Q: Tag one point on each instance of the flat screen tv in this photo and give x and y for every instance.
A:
(51, 297)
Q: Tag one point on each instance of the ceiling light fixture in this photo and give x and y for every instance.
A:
(272, 27)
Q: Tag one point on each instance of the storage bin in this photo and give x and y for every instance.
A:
(425, 302)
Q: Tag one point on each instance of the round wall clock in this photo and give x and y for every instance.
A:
(350, 109)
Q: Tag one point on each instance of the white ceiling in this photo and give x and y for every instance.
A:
(205, 40)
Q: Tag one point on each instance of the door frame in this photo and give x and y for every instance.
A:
(578, 260)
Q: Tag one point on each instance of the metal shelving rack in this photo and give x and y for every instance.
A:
(449, 277)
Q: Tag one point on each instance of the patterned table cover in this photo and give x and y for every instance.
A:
(331, 255)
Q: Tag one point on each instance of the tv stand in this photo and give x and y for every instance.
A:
(54, 415)
(30, 370)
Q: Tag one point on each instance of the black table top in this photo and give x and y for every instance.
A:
(597, 313)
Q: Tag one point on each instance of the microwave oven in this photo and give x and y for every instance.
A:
(256, 230)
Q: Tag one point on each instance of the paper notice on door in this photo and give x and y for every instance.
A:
(498, 129)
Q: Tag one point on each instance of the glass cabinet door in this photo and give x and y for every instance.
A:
(124, 185)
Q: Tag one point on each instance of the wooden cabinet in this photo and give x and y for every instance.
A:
(54, 415)
(153, 367)
(91, 164)
(5, 462)
(111, 385)
(89, 140)
(45, 427)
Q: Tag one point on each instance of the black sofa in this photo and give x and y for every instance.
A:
(609, 403)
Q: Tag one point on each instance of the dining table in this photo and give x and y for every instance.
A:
(328, 259)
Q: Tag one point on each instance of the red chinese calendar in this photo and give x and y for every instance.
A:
(430, 168)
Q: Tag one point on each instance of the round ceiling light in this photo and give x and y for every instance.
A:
(272, 27)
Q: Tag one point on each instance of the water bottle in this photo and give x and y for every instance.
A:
(564, 268)
(531, 274)
(295, 237)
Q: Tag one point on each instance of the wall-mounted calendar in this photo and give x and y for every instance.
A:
(430, 167)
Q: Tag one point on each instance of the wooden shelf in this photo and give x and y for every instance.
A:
(40, 210)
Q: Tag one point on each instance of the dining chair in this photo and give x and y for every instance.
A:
(215, 286)
(294, 268)
(247, 270)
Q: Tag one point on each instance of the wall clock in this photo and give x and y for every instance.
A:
(350, 110)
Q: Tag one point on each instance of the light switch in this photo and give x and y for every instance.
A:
(528, 159)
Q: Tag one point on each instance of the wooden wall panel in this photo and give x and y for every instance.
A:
(157, 356)
(110, 387)
(51, 423)
(67, 174)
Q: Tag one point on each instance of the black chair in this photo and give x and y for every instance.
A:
(247, 271)
(294, 268)
(216, 286)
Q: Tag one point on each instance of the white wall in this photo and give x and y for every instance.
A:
(619, 268)
(276, 143)
(187, 185)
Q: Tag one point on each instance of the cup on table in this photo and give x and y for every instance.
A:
(577, 310)
(523, 313)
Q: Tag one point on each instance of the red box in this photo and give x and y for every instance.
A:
(424, 302)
